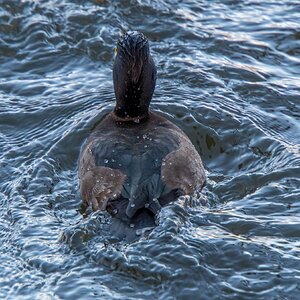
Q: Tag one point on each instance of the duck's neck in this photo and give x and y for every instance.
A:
(127, 119)
(130, 105)
(126, 112)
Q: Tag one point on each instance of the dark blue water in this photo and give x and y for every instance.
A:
(228, 75)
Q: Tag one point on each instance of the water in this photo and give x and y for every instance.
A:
(228, 75)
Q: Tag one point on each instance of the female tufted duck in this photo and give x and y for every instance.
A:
(136, 161)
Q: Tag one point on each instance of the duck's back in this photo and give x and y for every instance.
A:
(139, 165)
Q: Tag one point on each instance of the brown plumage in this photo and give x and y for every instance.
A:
(135, 160)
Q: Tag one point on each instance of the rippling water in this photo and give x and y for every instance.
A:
(228, 75)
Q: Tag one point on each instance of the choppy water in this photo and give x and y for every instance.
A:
(228, 75)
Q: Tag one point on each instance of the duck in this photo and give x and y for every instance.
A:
(135, 161)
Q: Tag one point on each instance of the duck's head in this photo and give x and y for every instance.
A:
(134, 76)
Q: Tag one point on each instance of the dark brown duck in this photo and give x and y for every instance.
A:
(136, 161)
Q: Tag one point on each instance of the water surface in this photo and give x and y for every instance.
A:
(228, 75)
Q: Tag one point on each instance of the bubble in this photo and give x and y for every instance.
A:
(132, 205)
(131, 225)
(106, 161)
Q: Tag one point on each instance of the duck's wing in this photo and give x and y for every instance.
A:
(183, 169)
(98, 184)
